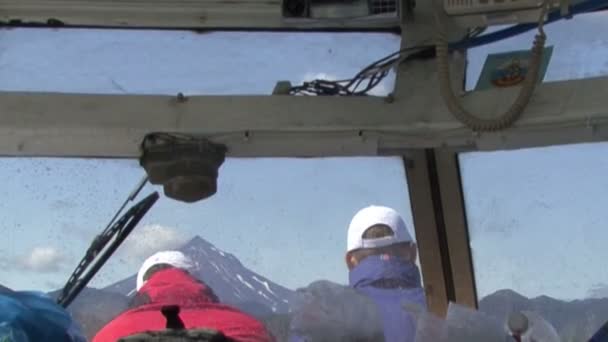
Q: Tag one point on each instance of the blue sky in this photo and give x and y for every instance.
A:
(536, 216)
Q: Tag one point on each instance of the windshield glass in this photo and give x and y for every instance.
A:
(169, 62)
(536, 231)
(578, 52)
(535, 216)
(274, 225)
(57, 206)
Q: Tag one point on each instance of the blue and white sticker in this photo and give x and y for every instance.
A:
(510, 69)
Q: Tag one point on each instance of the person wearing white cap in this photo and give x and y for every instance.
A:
(161, 260)
(375, 230)
(170, 297)
(381, 258)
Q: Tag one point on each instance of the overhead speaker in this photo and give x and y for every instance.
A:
(187, 167)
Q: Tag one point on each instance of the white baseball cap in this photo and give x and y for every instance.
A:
(372, 216)
(176, 259)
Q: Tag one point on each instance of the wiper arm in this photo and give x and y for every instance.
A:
(131, 197)
(105, 244)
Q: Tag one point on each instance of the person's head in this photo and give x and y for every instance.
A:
(160, 261)
(377, 230)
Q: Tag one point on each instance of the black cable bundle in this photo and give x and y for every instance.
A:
(370, 76)
(373, 74)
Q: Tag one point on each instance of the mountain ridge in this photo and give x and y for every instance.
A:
(231, 281)
(575, 320)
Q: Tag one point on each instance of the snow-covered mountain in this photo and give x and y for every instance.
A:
(232, 282)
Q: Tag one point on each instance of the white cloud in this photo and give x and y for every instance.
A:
(381, 89)
(310, 76)
(147, 240)
(42, 259)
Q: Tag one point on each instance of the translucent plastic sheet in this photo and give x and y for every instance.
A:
(431, 328)
(334, 312)
(539, 329)
(466, 325)
(325, 311)
(463, 324)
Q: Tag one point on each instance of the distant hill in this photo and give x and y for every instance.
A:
(94, 308)
(575, 321)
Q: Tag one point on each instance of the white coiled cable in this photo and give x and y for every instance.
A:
(515, 111)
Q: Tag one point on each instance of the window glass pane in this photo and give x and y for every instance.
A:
(273, 226)
(169, 62)
(580, 50)
(536, 219)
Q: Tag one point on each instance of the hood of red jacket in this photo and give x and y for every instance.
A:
(177, 287)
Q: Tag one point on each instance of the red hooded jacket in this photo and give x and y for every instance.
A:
(199, 308)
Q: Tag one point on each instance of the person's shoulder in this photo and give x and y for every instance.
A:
(227, 319)
(228, 310)
(241, 326)
(132, 321)
(233, 322)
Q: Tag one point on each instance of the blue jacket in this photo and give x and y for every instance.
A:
(32, 317)
(394, 285)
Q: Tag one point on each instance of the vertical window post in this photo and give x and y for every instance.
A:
(426, 225)
(441, 231)
(456, 230)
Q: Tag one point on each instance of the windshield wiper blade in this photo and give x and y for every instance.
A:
(104, 237)
(105, 244)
